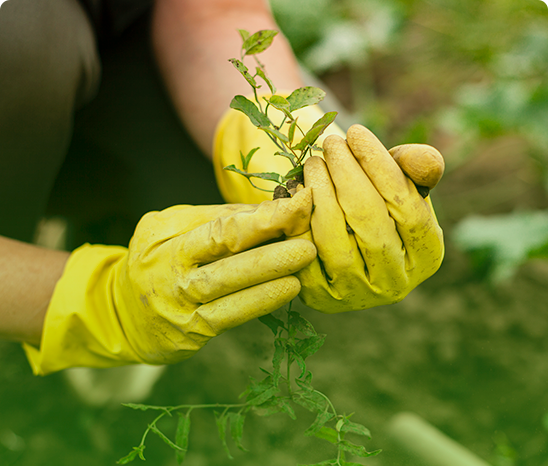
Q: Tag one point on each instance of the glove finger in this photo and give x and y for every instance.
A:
(245, 305)
(420, 162)
(337, 250)
(366, 213)
(230, 235)
(246, 269)
(415, 223)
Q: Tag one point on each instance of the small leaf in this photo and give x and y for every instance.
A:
(305, 96)
(309, 346)
(261, 73)
(310, 400)
(291, 133)
(237, 428)
(247, 158)
(181, 436)
(355, 428)
(279, 353)
(275, 406)
(316, 131)
(243, 34)
(272, 323)
(146, 407)
(263, 397)
(295, 171)
(301, 324)
(258, 42)
(255, 388)
(276, 133)
(244, 72)
(278, 102)
(299, 360)
(244, 105)
(321, 419)
(165, 438)
(356, 450)
(131, 456)
(264, 176)
(221, 421)
(287, 155)
(329, 434)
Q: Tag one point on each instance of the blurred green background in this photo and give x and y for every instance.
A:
(467, 350)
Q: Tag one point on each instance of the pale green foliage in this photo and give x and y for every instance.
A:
(504, 242)
(278, 392)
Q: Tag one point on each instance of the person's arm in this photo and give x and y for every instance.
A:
(28, 275)
(193, 40)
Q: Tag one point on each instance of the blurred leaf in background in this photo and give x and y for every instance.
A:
(504, 242)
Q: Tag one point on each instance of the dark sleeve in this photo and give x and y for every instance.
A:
(112, 17)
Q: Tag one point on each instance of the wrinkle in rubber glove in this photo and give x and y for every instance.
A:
(190, 273)
(393, 241)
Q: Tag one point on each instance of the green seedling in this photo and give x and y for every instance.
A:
(295, 339)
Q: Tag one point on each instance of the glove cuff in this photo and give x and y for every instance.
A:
(81, 327)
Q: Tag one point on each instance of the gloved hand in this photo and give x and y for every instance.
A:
(235, 133)
(394, 241)
(189, 274)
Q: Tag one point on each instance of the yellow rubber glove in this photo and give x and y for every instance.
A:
(236, 134)
(394, 241)
(189, 274)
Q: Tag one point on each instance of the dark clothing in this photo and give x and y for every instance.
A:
(110, 18)
(98, 152)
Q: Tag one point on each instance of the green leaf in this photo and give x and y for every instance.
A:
(272, 323)
(291, 132)
(261, 73)
(355, 428)
(146, 407)
(310, 400)
(329, 434)
(321, 419)
(258, 42)
(221, 421)
(263, 397)
(244, 72)
(244, 105)
(165, 438)
(275, 406)
(131, 456)
(279, 353)
(243, 34)
(301, 324)
(305, 96)
(280, 103)
(247, 158)
(255, 388)
(276, 133)
(356, 450)
(299, 360)
(293, 172)
(237, 428)
(181, 436)
(264, 176)
(309, 346)
(316, 131)
(287, 155)
(506, 241)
